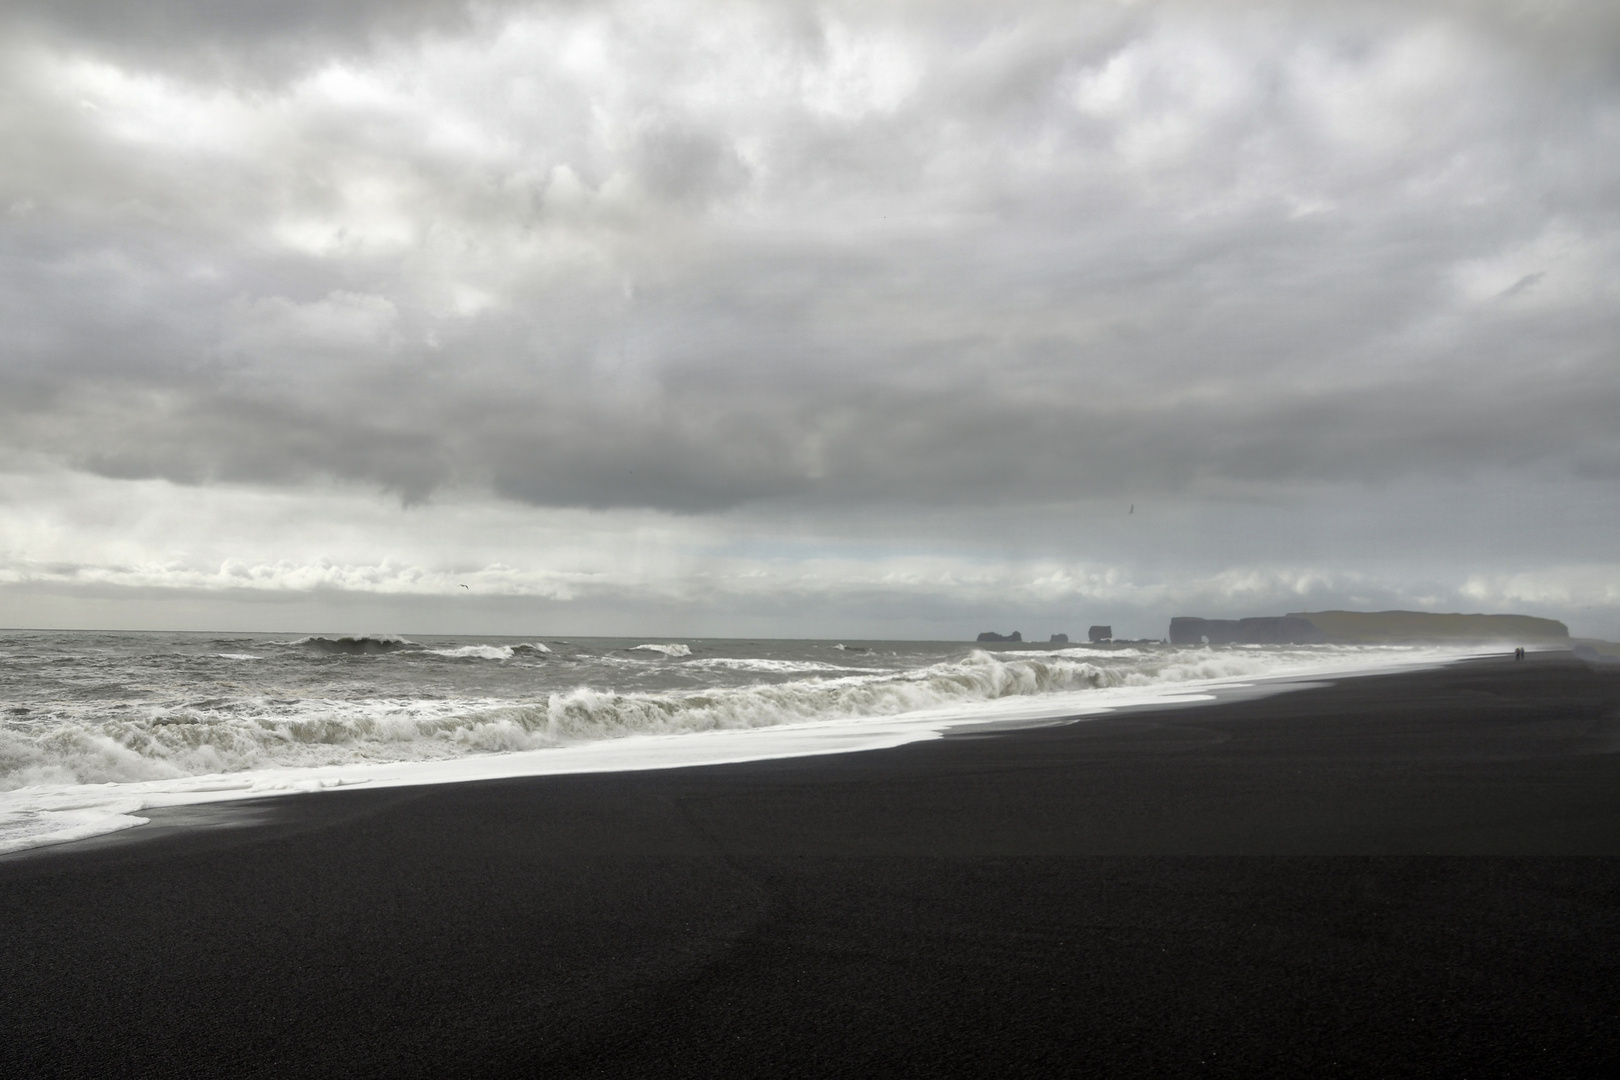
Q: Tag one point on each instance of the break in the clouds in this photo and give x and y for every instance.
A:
(795, 318)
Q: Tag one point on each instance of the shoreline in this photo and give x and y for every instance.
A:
(50, 816)
(1405, 875)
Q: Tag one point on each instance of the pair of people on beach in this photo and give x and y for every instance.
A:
(1518, 654)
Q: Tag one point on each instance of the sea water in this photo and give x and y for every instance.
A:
(95, 727)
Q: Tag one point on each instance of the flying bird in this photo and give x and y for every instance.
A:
(466, 587)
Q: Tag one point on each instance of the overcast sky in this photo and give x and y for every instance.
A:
(824, 320)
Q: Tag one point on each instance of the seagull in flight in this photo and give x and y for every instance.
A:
(469, 587)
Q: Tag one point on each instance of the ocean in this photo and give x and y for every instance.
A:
(98, 726)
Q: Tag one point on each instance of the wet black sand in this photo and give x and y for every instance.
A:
(1405, 875)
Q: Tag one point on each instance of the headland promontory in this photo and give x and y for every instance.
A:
(1364, 628)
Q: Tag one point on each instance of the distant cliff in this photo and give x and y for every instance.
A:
(1363, 628)
(991, 635)
(1391, 627)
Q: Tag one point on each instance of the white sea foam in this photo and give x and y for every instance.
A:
(238, 656)
(768, 666)
(146, 741)
(79, 778)
(668, 650)
(490, 652)
(476, 652)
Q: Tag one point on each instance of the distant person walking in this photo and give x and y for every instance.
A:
(1518, 654)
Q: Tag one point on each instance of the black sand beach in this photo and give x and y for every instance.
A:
(1401, 875)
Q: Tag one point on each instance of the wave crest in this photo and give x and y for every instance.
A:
(231, 736)
(234, 734)
(768, 666)
(491, 652)
(671, 651)
(367, 645)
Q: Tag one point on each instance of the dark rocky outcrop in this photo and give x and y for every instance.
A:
(1264, 630)
(1100, 633)
(991, 635)
(1058, 639)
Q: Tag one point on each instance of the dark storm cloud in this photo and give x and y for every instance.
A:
(612, 257)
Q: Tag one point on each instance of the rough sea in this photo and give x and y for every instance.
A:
(95, 727)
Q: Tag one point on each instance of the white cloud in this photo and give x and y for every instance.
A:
(637, 287)
(341, 321)
(244, 553)
(1577, 589)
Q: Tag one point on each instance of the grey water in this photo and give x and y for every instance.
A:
(99, 707)
(91, 707)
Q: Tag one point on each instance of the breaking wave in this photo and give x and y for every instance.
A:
(768, 666)
(491, 652)
(671, 651)
(357, 646)
(150, 741)
(385, 644)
